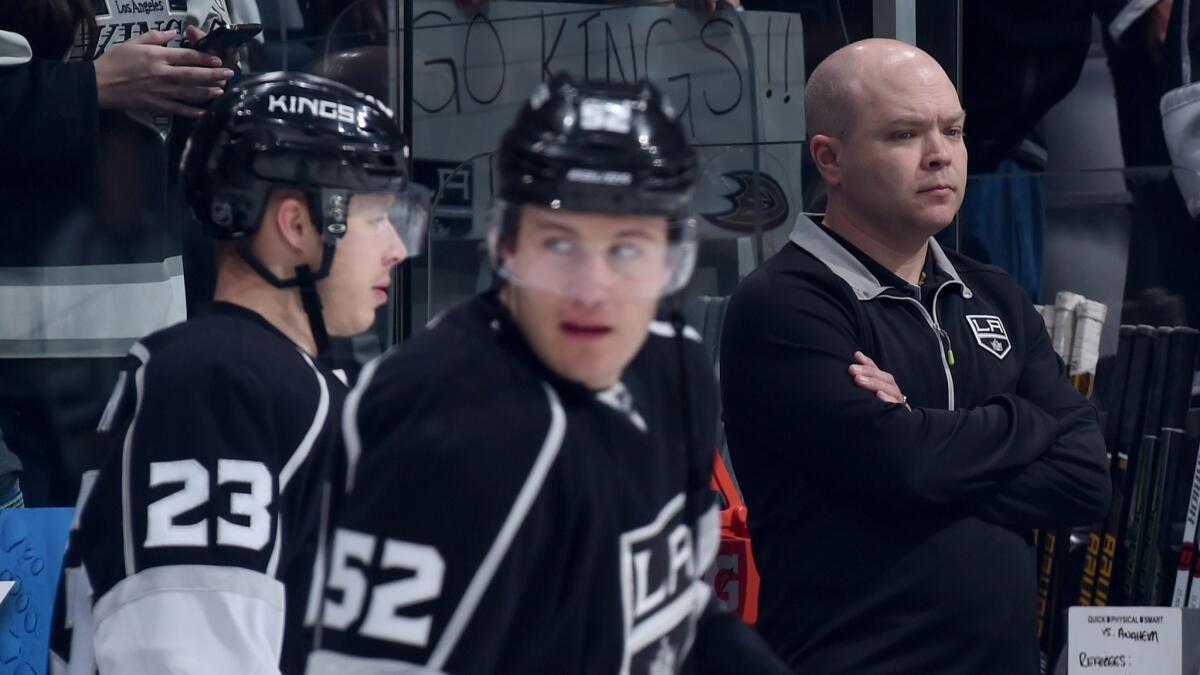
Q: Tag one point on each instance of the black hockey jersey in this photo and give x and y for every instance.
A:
(193, 549)
(501, 519)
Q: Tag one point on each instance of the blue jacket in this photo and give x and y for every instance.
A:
(892, 541)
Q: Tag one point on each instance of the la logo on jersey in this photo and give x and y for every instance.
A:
(990, 334)
(658, 593)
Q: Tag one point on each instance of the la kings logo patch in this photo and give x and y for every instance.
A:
(659, 593)
(990, 334)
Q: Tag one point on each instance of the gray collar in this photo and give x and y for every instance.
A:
(812, 238)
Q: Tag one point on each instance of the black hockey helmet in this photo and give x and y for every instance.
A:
(299, 131)
(599, 147)
(303, 132)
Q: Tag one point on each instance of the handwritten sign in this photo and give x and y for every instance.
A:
(736, 83)
(1124, 641)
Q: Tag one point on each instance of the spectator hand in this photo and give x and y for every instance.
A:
(870, 377)
(144, 74)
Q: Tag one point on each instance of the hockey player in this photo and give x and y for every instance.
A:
(531, 496)
(194, 546)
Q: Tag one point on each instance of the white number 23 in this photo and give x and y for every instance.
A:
(161, 528)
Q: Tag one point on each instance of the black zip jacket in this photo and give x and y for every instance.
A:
(892, 541)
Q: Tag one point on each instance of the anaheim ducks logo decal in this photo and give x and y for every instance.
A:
(768, 209)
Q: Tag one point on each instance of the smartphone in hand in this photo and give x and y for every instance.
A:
(223, 38)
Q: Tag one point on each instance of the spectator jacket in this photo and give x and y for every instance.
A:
(889, 540)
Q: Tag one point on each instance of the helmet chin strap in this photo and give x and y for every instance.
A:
(311, 300)
(694, 477)
(306, 281)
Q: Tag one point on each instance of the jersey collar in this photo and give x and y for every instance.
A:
(865, 283)
(220, 307)
(488, 310)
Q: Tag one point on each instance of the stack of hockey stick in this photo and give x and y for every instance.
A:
(1148, 541)
(1144, 553)
(1075, 325)
(1151, 526)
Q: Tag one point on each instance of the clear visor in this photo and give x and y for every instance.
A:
(406, 212)
(593, 255)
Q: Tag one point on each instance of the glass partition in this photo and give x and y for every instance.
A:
(736, 79)
(113, 198)
(1112, 235)
(741, 106)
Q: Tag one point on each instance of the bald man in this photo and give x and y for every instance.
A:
(897, 418)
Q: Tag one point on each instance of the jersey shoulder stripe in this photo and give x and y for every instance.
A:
(499, 549)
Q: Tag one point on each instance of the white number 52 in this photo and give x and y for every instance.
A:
(382, 622)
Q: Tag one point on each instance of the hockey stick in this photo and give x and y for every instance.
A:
(1181, 354)
(1112, 550)
(1086, 331)
(1179, 381)
(1096, 580)
(1143, 472)
(1053, 544)
(1085, 345)
(1193, 593)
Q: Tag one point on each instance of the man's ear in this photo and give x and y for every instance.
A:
(500, 246)
(826, 152)
(500, 251)
(493, 247)
(292, 222)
